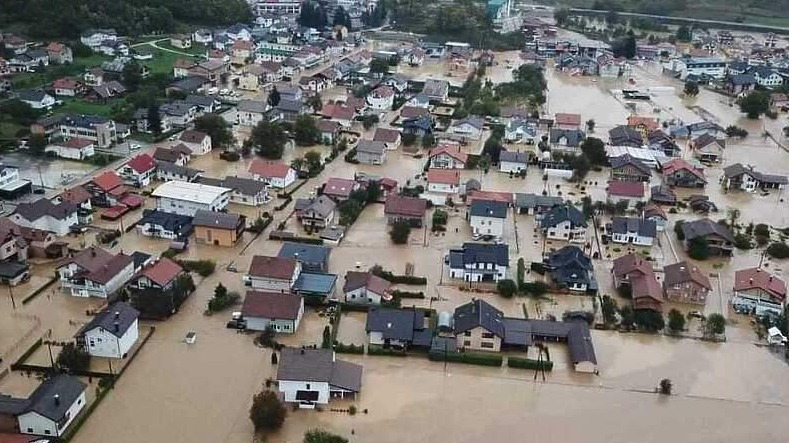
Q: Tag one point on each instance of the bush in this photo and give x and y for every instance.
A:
(401, 229)
(222, 299)
(699, 249)
(528, 363)
(778, 250)
(342, 348)
(649, 320)
(321, 436)
(666, 386)
(407, 294)
(397, 279)
(73, 359)
(521, 273)
(678, 230)
(535, 288)
(389, 352)
(267, 411)
(203, 268)
(762, 230)
(506, 288)
(736, 131)
(715, 324)
(471, 358)
(676, 321)
(260, 224)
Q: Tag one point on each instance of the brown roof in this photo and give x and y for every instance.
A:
(327, 125)
(683, 272)
(355, 280)
(75, 195)
(355, 103)
(407, 206)
(183, 64)
(266, 168)
(271, 305)
(110, 269)
(274, 267)
(677, 164)
(339, 187)
(631, 264)
(445, 176)
(192, 136)
(646, 292)
(76, 143)
(162, 271)
(567, 119)
(108, 181)
(626, 188)
(412, 111)
(65, 83)
(756, 278)
(450, 150)
(99, 265)
(338, 112)
(650, 123)
(386, 135)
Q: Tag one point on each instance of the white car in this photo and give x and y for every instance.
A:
(134, 146)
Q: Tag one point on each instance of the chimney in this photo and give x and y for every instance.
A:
(302, 351)
(771, 278)
(57, 399)
(750, 280)
(117, 315)
(117, 326)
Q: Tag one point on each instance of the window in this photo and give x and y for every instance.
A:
(46, 431)
(467, 333)
(30, 430)
(308, 386)
(487, 345)
(467, 343)
(487, 335)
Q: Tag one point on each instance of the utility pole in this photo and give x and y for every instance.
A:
(11, 293)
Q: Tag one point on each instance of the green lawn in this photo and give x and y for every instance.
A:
(79, 106)
(8, 131)
(51, 73)
(162, 60)
(196, 49)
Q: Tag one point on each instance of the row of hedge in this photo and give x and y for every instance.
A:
(284, 204)
(378, 350)
(290, 193)
(471, 358)
(407, 294)
(204, 268)
(529, 363)
(342, 348)
(398, 279)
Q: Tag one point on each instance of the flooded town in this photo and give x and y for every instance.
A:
(312, 224)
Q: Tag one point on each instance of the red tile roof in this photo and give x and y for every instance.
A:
(65, 83)
(678, 164)
(626, 188)
(386, 135)
(505, 197)
(756, 278)
(274, 267)
(242, 45)
(650, 123)
(107, 181)
(267, 168)
(412, 111)
(162, 272)
(271, 305)
(192, 136)
(567, 119)
(338, 112)
(76, 143)
(445, 176)
(75, 195)
(450, 150)
(142, 163)
(340, 187)
(405, 206)
(382, 91)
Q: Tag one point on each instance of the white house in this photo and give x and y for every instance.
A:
(630, 230)
(513, 162)
(36, 99)
(164, 224)
(52, 407)
(476, 262)
(139, 170)
(94, 272)
(95, 37)
(198, 142)
(564, 222)
(47, 216)
(381, 98)
(186, 198)
(111, 333)
(275, 274)
(487, 217)
(442, 184)
(251, 112)
(276, 174)
(767, 77)
(709, 66)
(365, 288)
(280, 312)
(469, 127)
(447, 156)
(73, 148)
(310, 377)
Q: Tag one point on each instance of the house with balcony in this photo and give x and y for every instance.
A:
(442, 185)
(447, 156)
(564, 222)
(680, 173)
(487, 218)
(139, 170)
(632, 230)
(315, 212)
(94, 272)
(718, 237)
(572, 270)
(272, 274)
(758, 292)
(746, 178)
(684, 282)
(165, 225)
(45, 215)
(409, 209)
(628, 168)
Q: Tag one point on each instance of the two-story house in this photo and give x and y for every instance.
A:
(273, 274)
(275, 174)
(487, 218)
(628, 168)
(718, 237)
(631, 230)
(746, 178)
(476, 262)
(111, 333)
(442, 185)
(564, 222)
(680, 173)
(199, 142)
(571, 269)
(161, 274)
(365, 288)
(47, 216)
(447, 156)
(684, 282)
(139, 170)
(94, 272)
(315, 212)
(106, 189)
(758, 291)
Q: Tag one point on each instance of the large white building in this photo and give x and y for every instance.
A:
(111, 333)
(697, 66)
(47, 216)
(186, 198)
(275, 7)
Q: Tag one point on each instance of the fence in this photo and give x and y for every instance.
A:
(22, 340)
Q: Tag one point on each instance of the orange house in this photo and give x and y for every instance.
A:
(218, 228)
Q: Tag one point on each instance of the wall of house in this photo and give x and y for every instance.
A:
(33, 423)
(48, 223)
(271, 284)
(687, 292)
(262, 323)
(370, 159)
(120, 279)
(362, 296)
(184, 207)
(155, 231)
(443, 161)
(487, 225)
(100, 342)
(565, 231)
(511, 167)
(289, 388)
(214, 236)
(586, 367)
(479, 339)
(633, 238)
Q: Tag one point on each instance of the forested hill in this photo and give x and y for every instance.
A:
(67, 18)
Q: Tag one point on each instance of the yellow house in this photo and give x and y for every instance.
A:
(479, 327)
(218, 228)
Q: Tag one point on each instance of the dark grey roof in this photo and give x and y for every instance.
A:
(139, 259)
(116, 319)
(395, 324)
(321, 205)
(574, 136)
(10, 269)
(489, 208)
(738, 169)
(644, 228)
(625, 136)
(478, 313)
(172, 168)
(246, 186)
(535, 201)
(40, 208)
(371, 147)
(663, 194)
(318, 365)
(513, 157)
(560, 214)
(705, 227)
(200, 100)
(216, 219)
(570, 265)
(627, 159)
(306, 252)
(483, 253)
(12, 405)
(252, 106)
(192, 83)
(289, 105)
(180, 224)
(742, 79)
(66, 387)
(517, 331)
(31, 95)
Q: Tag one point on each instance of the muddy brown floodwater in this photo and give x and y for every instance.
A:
(201, 393)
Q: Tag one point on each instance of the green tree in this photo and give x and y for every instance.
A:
(222, 299)
(676, 321)
(267, 411)
(313, 161)
(326, 339)
(691, 88)
(401, 229)
(608, 308)
(370, 120)
(561, 15)
(132, 76)
(73, 358)
(628, 316)
(428, 140)
(678, 230)
(683, 34)
(217, 128)
(649, 320)
(321, 436)
(37, 143)
(268, 139)
(715, 324)
(154, 119)
(493, 148)
(778, 250)
(273, 97)
(409, 139)
(342, 18)
(755, 104)
(379, 66)
(594, 150)
(698, 248)
(506, 288)
(305, 132)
